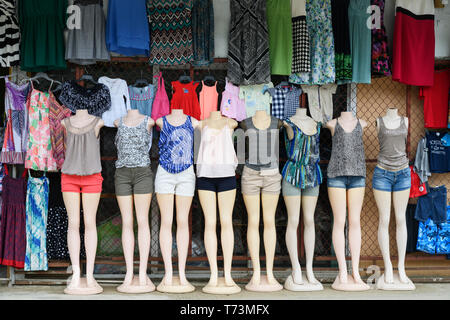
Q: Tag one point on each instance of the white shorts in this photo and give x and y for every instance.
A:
(181, 184)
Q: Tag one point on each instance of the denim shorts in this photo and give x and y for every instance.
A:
(433, 205)
(347, 182)
(391, 181)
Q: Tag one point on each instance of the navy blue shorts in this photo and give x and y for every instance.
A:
(217, 184)
(432, 205)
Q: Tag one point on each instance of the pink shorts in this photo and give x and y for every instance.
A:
(82, 184)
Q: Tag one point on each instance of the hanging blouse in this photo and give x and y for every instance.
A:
(185, 97)
(95, 100)
(142, 98)
(120, 100)
(9, 34)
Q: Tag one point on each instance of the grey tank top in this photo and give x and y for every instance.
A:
(262, 146)
(82, 150)
(392, 154)
(133, 145)
(347, 154)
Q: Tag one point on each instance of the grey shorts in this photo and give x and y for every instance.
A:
(129, 181)
(289, 190)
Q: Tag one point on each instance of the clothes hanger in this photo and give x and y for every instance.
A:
(141, 82)
(184, 78)
(43, 75)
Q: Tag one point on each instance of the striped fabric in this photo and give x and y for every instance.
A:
(57, 114)
(171, 31)
(9, 34)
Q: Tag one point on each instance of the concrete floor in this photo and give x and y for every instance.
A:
(439, 291)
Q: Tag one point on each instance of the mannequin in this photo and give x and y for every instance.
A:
(90, 202)
(266, 283)
(352, 198)
(389, 280)
(142, 203)
(308, 203)
(226, 199)
(170, 283)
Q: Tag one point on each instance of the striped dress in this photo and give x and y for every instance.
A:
(57, 114)
(9, 34)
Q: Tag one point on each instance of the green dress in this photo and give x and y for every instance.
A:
(279, 22)
(42, 25)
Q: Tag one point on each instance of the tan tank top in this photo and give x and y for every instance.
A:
(82, 150)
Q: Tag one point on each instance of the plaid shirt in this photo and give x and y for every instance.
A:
(278, 94)
(292, 102)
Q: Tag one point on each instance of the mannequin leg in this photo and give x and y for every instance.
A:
(126, 210)
(72, 203)
(183, 208)
(338, 203)
(309, 207)
(208, 203)
(90, 205)
(383, 200)
(269, 205)
(293, 210)
(252, 204)
(355, 202)
(142, 204)
(165, 203)
(226, 205)
(400, 199)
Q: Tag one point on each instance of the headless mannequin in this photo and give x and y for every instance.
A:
(261, 121)
(226, 201)
(308, 204)
(400, 201)
(90, 201)
(183, 204)
(142, 202)
(339, 200)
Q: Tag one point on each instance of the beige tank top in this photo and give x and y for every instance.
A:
(82, 150)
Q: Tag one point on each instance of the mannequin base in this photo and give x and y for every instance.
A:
(397, 285)
(176, 287)
(351, 285)
(290, 285)
(134, 286)
(264, 286)
(221, 288)
(83, 289)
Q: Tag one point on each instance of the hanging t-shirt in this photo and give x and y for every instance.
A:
(320, 99)
(256, 98)
(120, 100)
(185, 97)
(435, 106)
(439, 154)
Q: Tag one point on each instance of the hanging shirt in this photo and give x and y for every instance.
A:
(256, 98)
(279, 94)
(439, 154)
(292, 102)
(320, 99)
(142, 98)
(120, 100)
(185, 97)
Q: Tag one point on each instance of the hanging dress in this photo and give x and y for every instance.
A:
(300, 38)
(57, 114)
(12, 229)
(42, 25)
(36, 224)
(318, 19)
(9, 34)
(248, 44)
(16, 134)
(341, 33)
(209, 99)
(171, 25)
(203, 32)
(381, 64)
(185, 97)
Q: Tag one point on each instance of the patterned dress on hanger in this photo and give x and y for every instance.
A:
(9, 34)
(203, 32)
(381, 64)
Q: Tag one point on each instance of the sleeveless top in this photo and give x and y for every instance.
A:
(82, 150)
(133, 145)
(302, 167)
(347, 154)
(262, 146)
(392, 154)
(216, 156)
(176, 146)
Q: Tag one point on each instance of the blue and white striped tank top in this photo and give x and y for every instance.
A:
(176, 146)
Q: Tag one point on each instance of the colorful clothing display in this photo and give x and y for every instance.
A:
(279, 23)
(381, 64)
(42, 24)
(302, 166)
(120, 100)
(185, 97)
(36, 224)
(248, 47)
(300, 38)
(16, 134)
(414, 43)
(436, 101)
(341, 34)
(318, 19)
(232, 106)
(57, 113)
(171, 25)
(9, 34)
(256, 98)
(127, 28)
(203, 32)
(209, 98)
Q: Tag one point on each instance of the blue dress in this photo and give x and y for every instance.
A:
(127, 29)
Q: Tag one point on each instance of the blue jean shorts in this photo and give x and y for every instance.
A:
(347, 182)
(391, 181)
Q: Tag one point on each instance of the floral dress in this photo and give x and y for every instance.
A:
(318, 19)
(381, 64)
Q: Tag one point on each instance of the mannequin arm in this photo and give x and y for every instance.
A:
(159, 123)
(116, 123)
(100, 125)
(150, 125)
(195, 123)
(363, 123)
(331, 125)
(289, 130)
(232, 123)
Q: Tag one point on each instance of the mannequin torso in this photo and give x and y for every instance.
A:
(392, 119)
(302, 121)
(347, 121)
(134, 118)
(217, 121)
(177, 118)
(82, 118)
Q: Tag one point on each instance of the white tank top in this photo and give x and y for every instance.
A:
(216, 156)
